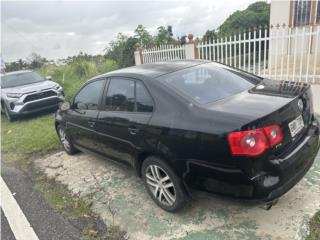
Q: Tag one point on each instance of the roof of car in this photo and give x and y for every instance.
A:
(16, 72)
(155, 69)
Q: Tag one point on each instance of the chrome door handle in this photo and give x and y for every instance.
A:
(91, 124)
(133, 130)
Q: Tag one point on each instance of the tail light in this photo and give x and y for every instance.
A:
(274, 134)
(254, 142)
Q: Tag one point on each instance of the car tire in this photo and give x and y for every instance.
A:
(163, 185)
(8, 115)
(65, 141)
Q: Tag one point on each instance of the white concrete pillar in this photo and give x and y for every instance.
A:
(138, 57)
(190, 50)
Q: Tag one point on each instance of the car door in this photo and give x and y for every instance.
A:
(126, 110)
(82, 116)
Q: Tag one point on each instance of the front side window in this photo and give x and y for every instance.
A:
(89, 96)
(302, 9)
(207, 83)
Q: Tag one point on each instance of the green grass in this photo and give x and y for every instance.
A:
(60, 198)
(24, 138)
(314, 227)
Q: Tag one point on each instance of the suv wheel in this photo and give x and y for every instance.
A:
(163, 185)
(7, 113)
(65, 141)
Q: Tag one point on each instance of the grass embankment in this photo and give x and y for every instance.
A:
(24, 139)
(34, 137)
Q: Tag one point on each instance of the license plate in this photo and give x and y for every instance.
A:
(296, 126)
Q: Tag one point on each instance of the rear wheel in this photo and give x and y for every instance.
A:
(65, 141)
(163, 185)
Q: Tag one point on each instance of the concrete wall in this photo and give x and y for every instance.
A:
(279, 12)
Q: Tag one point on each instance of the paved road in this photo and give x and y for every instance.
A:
(46, 222)
(6, 233)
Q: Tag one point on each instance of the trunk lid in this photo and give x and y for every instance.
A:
(271, 102)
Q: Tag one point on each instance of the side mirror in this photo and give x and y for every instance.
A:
(65, 106)
(48, 78)
(82, 106)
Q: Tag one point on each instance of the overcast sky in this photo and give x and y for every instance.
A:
(58, 29)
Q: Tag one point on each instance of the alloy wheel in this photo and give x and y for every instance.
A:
(160, 185)
(64, 140)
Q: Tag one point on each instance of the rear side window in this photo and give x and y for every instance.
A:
(143, 100)
(89, 96)
(128, 96)
(120, 96)
(209, 82)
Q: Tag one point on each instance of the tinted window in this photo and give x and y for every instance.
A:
(143, 100)
(120, 96)
(89, 96)
(210, 82)
(18, 79)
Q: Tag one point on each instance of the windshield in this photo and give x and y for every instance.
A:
(210, 82)
(20, 79)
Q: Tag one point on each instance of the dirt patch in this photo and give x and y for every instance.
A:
(118, 196)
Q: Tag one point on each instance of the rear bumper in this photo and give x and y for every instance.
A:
(290, 170)
(266, 186)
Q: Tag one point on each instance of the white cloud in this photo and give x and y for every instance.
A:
(58, 29)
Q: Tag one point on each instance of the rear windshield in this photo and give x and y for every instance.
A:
(210, 82)
(19, 79)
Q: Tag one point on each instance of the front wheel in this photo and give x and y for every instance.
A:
(65, 141)
(163, 185)
(7, 113)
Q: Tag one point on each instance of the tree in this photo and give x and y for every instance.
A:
(257, 14)
(143, 36)
(164, 35)
(210, 34)
(122, 50)
(36, 61)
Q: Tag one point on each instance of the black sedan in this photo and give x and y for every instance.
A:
(194, 126)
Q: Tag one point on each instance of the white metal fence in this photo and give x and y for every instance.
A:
(163, 53)
(278, 52)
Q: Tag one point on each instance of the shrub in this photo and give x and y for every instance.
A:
(72, 75)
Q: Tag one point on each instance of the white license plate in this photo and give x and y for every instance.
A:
(296, 126)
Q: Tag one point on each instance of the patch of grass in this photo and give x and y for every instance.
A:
(59, 197)
(112, 233)
(23, 138)
(314, 225)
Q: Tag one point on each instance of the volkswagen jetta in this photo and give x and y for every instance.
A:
(194, 126)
